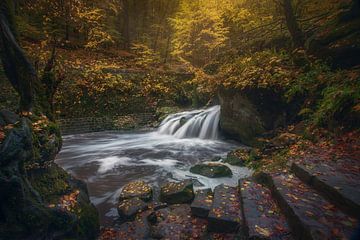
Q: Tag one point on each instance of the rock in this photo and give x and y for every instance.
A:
(176, 222)
(341, 188)
(309, 215)
(181, 192)
(202, 203)
(8, 117)
(225, 214)
(50, 203)
(211, 170)
(128, 208)
(285, 139)
(138, 189)
(237, 157)
(263, 219)
(248, 113)
(137, 229)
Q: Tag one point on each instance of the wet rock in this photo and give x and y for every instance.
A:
(176, 222)
(8, 117)
(341, 188)
(248, 113)
(137, 229)
(128, 208)
(309, 215)
(263, 218)
(181, 192)
(237, 157)
(138, 189)
(202, 203)
(211, 170)
(225, 214)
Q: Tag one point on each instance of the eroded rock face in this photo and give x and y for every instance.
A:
(38, 199)
(176, 193)
(211, 170)
(138, 189)
(246, 114)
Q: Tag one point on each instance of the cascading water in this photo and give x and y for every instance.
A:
(202, 124)
(109, 160)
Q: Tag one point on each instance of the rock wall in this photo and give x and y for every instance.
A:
(249, 113)
(93, 124)
(38, 199)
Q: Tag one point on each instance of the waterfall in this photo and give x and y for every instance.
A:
(202, 124)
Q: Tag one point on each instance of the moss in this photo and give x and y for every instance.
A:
(51, 182)
(212, 170)
(88, 226)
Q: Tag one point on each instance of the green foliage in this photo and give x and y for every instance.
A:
(327, 95)
(337, 102)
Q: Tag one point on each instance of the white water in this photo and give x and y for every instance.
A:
(203, 124)
(109, 160)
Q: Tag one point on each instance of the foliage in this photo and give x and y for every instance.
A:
(199, 31)
(327, 95)
(146, 56)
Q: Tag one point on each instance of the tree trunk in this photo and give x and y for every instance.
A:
(292, 24)
(18, 69)
(126, 26)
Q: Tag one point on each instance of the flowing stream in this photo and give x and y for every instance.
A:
(106, 161)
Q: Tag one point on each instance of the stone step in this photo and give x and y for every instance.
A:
(176, 223)
(202, 203)
(225, 213)
(310, 216)
(263, 219)
(341, 189)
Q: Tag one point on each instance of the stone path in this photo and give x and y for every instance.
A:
(310, 203)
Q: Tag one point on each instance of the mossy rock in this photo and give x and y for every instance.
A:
(237, 157)
(128, 208)
(177, 193)
(135, 189)
(211, 170)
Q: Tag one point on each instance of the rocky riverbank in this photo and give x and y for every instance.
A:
(38, 199)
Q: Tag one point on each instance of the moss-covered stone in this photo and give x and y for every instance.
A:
(50, 182)
(35, 192)
(176, 193)
(128, 208)
(211, 170)
(237, 157)
(138, 189)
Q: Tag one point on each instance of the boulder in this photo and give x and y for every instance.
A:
(237, 157)
(138, 189)
(128, 208)
(174, 193)
(211, 170)
(202, 203)
(176, 222)
(8, 117)
(246, 114)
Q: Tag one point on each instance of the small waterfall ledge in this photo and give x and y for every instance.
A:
(203, 124)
